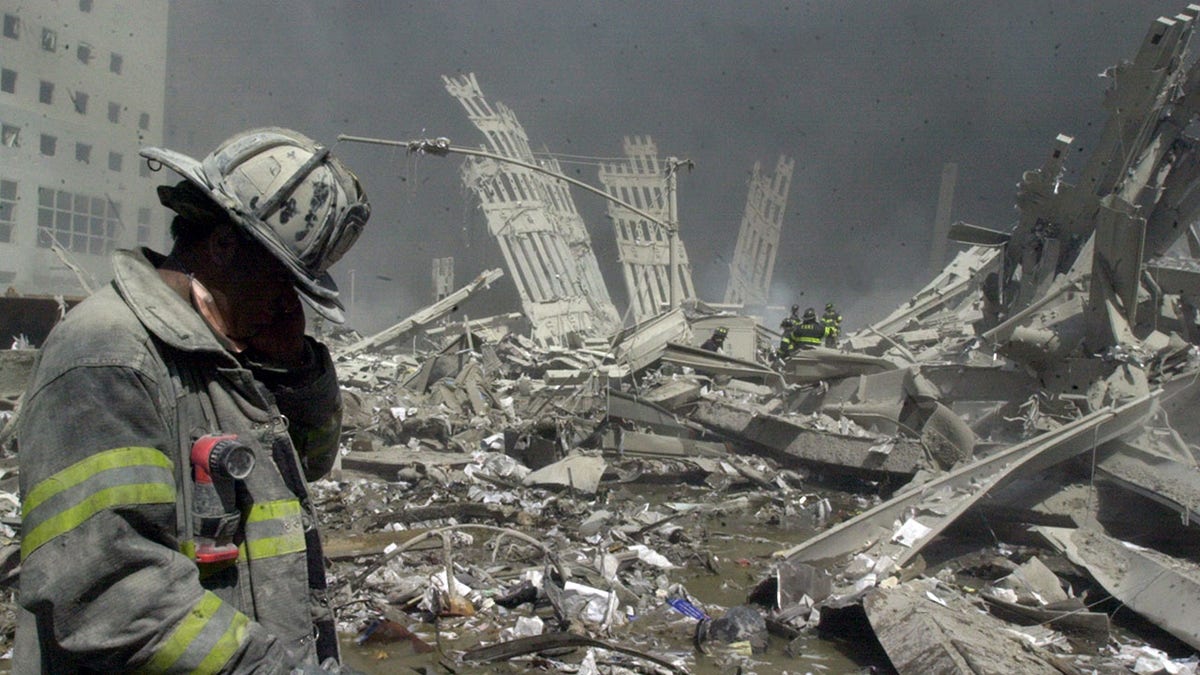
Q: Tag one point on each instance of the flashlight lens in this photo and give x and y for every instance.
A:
(239, 462)
(231, 458)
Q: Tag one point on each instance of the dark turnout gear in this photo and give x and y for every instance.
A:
(809, 332)
(789, 322)
(109, 577)
(833, 325)
(716, 340)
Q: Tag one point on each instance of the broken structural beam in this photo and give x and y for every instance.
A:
(424, 316)
(786, 440)
(712, 363)
(1172, 483)
(873, 530)
(1164, 589)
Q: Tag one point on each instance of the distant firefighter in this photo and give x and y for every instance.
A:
(716, 341)
(785, 329)
(789, 322)
(833, 325)
(809, 333)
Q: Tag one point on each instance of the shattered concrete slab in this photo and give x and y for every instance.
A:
(789, 439)
(578, 472)
(925, 629)
(900, 527)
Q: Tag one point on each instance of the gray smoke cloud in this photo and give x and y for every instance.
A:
(870, 98)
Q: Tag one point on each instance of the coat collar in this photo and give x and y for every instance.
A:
(160, 309)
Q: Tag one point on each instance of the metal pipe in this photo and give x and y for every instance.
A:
(442, 147)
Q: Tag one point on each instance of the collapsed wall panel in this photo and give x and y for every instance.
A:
(758, 239)
(540, 233)
(644, 247)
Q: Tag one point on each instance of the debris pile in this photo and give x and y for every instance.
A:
(1000, 476)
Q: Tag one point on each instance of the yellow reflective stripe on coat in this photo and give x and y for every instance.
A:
(46, 521)
(198, 624)
(280, 508)
(283, 511)
(117, 458)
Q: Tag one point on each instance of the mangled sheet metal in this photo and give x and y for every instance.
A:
(534, 220)
(753, 261)
(948, 301)
(424, 316)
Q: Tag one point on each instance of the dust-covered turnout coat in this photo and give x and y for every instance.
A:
(109, 580)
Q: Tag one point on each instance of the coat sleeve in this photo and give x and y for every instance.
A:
(312, 402)
(101, 569)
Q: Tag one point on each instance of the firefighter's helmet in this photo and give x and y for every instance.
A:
(289, 194)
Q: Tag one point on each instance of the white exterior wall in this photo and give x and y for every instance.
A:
(118, 203)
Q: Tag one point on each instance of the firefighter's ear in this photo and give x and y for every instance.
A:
(222, 246)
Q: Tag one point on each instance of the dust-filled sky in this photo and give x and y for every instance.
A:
(870, 98)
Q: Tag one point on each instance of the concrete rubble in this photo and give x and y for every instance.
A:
(1000, 476)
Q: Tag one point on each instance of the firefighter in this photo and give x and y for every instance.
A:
(833, 324)
(717, 340)
(789, 322)
(138, 553)
(810, 332)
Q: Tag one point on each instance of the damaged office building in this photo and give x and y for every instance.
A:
(1002, 475)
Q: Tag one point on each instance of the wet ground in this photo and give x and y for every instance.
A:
(721, 553)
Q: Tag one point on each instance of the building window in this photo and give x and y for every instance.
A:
(114, 161)
(144, 121)
(49, 40)
(10, 135)
(8, 81)
(8, 207)
(80, 100)
(115, 62)
(46, 92)
(79, 223)
(114, 112)
(49, 144)
(85, 5)
(143, 228)
(83, 153)
(12, 26)
(83, 52)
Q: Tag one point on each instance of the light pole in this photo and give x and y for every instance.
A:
(673, 164)
(442, 147)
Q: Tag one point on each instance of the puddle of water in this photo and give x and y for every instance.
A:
(742, 545)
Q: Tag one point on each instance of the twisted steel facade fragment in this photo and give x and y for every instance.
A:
(758, 239)
(644, 247)
(533, 218)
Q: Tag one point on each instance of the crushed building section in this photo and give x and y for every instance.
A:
(753, 263)
(644, 248)
(533, 218)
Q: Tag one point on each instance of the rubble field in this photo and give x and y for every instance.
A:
(1002, 475)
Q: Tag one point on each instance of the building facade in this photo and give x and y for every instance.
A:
(82, 85)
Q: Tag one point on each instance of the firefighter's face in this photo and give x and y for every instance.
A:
(258, 293)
